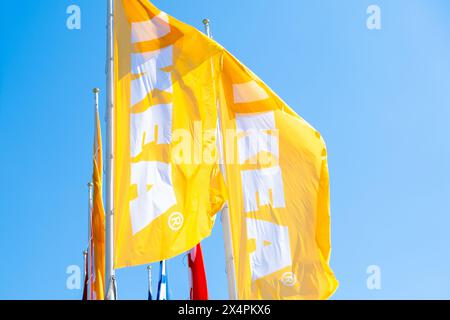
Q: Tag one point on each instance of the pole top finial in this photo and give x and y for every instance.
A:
(96, 90)
(149, 267)
(85, 252)
(90, 184)
(206, 21)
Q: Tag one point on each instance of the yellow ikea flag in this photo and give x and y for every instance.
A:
(98, 216)
(167, 182)
(170, 81)
(278, 188)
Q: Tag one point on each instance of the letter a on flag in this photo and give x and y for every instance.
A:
(167, 178)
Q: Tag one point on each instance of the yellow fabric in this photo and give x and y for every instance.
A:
(302, 161)
(278, 197)
(98, 217)
(196, 182)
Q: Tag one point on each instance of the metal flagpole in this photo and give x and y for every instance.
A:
(110, 293)
(96, 92)
(89, 250)
(150, 292)
(86, 274)
(229, 258)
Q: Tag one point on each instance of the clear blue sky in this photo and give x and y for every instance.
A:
(380, 98)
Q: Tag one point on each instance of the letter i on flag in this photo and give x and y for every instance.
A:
(163, 285)
(199, 287)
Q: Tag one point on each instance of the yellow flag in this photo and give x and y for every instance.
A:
(167, 182)
(277, 177)
(98, 216)
(170, 79)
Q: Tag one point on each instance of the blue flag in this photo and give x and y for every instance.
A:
(163, 285)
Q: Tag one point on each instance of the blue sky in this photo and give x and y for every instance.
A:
(380, 98)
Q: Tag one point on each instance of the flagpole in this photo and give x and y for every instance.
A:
(85, 260)
(226, 227)
(109, 215)
(150, 293)
(89, 250)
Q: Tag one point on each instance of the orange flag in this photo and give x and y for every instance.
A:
(98, 216)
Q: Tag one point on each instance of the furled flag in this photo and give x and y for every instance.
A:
(197, 274)
(98, 216)
(163, 285)
(167, 181)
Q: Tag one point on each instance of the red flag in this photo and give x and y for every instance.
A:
(199, 287)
